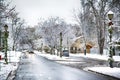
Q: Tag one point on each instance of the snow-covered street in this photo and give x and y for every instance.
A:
(35, 67)
(73, 59)
(102, 69)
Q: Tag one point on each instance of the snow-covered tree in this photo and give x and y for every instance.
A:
(5, 11)
(16, 27)
(94, 16)
(50, 31)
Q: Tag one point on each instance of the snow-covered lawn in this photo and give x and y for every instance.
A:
(93, 56)
(115, 72)
(5, 69)
(96, 56)
(55, 57)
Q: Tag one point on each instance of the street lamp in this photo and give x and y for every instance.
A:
(41, 46)
(110, 15)
(0, 40)
(5, 43)
(110, 30)
(61, 44)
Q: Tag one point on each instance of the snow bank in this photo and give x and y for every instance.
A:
(5, 69)
(115, 72)
(96, 56)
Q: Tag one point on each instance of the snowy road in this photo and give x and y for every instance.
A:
(38, 68)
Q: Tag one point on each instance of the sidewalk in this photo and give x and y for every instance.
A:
(113, 72)
(6, 69)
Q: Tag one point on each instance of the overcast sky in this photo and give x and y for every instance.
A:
(32, 10)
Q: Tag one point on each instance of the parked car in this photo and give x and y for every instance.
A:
(65, 53)
(31, 52)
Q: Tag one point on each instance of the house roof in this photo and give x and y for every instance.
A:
(79, 43)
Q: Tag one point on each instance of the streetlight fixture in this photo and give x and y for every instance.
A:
(6, 33)
(110, 30)
(110, 15)
(6, 27)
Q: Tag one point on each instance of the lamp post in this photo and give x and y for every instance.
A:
(5, 43)
(41, 46)
(60, 44)
(110, 30)
(0, 38)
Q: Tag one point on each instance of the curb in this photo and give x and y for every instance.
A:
(15, 71)
(8, 75)
(104, 74)
(12, 73)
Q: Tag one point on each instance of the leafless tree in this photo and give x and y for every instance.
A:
(50, 31)
(93, 14)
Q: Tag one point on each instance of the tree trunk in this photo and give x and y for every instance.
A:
(101, 45)
(100, 49)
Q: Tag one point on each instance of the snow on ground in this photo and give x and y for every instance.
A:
(14, 57)
(92, 56)
(5, 69)
(115, 72)
(96, 56)
(57, 58)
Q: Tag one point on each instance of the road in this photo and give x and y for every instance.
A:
(35, 67)
(86, 62)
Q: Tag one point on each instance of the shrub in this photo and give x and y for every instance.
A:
(46, 49)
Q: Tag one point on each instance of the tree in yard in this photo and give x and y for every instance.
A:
(50, 31)
(5, 11)
(85, 19)
(97, 10)
(4, 15)
(16, 27)
(100, 10)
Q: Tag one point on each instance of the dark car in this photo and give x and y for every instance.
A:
(31, 52)
(65, 53)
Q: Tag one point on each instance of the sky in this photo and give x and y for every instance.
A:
(33, 10)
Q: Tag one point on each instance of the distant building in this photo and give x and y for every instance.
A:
(78, 46)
